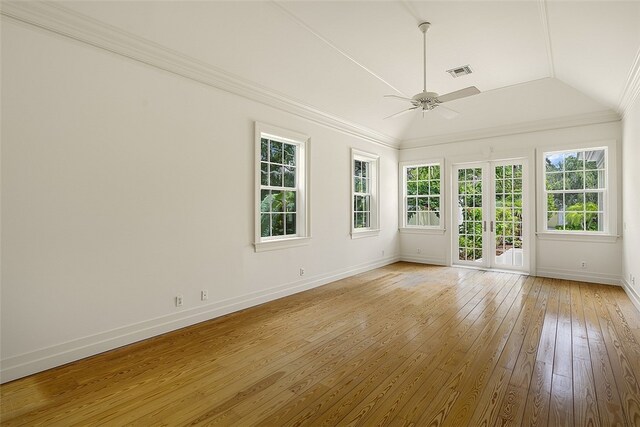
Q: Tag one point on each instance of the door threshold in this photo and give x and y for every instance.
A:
(494, 270)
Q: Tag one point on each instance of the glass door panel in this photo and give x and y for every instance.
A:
(470, 200)
(507, 223)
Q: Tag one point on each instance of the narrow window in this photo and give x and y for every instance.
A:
(278, 190)
(365, 203)
(282, 199)
(361, 194)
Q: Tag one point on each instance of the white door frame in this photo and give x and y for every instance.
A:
(489, 213)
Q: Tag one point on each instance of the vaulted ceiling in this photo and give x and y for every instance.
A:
(534, 61)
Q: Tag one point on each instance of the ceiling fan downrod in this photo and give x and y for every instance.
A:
(424, 27)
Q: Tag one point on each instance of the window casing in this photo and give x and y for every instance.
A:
(421, 192)
(282, 182)
(364, 194)
(575, 191)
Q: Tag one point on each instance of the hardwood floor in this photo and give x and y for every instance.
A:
(406, 344)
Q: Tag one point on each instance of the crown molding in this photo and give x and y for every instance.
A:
(514, 129)
(60, 20)
(631, 90)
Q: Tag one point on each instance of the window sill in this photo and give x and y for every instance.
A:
(272, 245)
(365, 233)
(417, 230)
(578, 237)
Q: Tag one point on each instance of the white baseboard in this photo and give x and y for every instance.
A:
(60, 354)
(579, 275)
(631, 293)
(423, 260)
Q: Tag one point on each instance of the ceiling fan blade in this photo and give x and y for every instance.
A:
(399, 97)
(401, 112)
(462, 93)
(445, 112)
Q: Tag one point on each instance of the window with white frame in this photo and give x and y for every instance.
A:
(281, 188)
(365, 203)
(575, 190)
(421, 195)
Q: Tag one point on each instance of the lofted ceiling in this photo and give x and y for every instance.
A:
(534, 61)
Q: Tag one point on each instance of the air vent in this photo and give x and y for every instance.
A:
(460, 71)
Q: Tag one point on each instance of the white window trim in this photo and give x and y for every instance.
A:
(434, 231)
(610, 192)
(402, 205)
(374, 219)
(591, 237)
(303, 224)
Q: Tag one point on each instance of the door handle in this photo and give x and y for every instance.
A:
(491, 226)
(484, 225)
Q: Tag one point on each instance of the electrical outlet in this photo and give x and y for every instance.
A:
(302, 271)
(418, 250)
(583, 264)
(204, 295)
(179, 301)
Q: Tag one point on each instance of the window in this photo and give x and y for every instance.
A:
(421, 195)
(281, 188)
(361, 194)
(575, 190)
(365, 206)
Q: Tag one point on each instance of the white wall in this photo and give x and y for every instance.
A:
(123, 186)
(553, 258)
(631, 201)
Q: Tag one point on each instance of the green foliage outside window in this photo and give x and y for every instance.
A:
(575, 185)
(508, 211)
(423, 195)
(362, 194)
(278, 193)
(470, 241)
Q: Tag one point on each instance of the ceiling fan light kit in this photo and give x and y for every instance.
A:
(427, 101)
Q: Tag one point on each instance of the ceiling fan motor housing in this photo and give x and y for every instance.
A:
(427, 100)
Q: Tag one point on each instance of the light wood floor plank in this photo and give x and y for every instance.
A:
(626, 382)
(536, 412)
(561, 405)
(522, 372)
(607, 394)
(402, 345)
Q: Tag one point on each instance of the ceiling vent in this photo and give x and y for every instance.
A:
(460, 71)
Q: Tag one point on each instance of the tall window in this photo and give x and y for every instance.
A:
(576, 190)
(361, 194)
(365, 204)
(278, 190)
(422, 198)
(281, 214)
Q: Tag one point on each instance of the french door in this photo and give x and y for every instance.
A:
(490, 216)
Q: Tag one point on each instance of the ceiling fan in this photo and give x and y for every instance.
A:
(427, 101)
